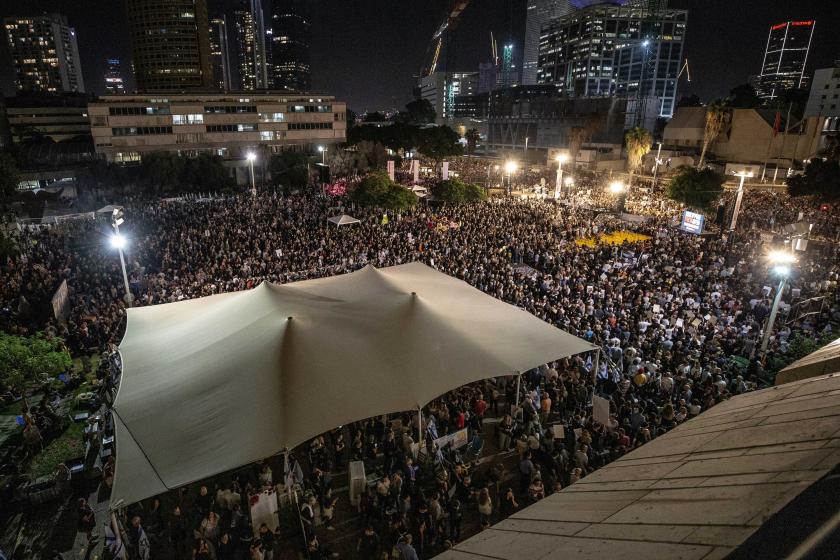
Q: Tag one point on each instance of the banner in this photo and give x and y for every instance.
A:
(391, 169)
(455, 440)
(601, 410)
(415, 170)
(444, 171)
(59, 302)
(264, 510)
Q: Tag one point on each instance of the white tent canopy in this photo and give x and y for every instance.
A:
(109, 209)
(343, 220)
(214, 383)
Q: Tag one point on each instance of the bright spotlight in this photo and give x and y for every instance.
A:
(781, 269)
(780, 257)
(562, 158)
(118, 241)
(616, 187)
(320, 148)
(511, 167)
(251, 156)
(645, 43)
(568, 181)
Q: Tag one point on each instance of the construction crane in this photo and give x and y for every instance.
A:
(444, 40)
(686, 70)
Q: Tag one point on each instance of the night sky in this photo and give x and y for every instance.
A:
(367, 52)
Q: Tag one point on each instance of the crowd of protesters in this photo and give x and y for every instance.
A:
(670, 313)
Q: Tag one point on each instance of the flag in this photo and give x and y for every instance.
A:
(587, 365)
(777, 124)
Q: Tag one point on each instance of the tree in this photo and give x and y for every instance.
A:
(9, 177)
(472, 137)
(821, 178)
(205, 171)
(374, 116)
(638, 142)
(377, 190)
(8, 247)
(162, 170)
(689, 101)
(744, 96)
(439, 142)
(717, 114)
(698, 189)
(831, 151)
(417, 112)
(455, 191)
(289, 169)
(27, 359)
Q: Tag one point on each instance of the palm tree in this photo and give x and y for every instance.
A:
(717, 114)
(472, 137)
(638, 141)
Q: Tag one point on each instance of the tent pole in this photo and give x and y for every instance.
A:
(518, 385)
(419, 429)
(596, 364)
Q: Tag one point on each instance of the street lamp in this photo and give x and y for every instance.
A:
(119, 242)
(743, 175)
(252, 157)
(510, 168)
(561, 159)
(620, 189)
(656, 164)
(780, 262)
(323, 151)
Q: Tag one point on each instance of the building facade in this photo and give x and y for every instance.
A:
(220, 54)
(441, 88)
(251, 45)
(546, 117)
(630, 50)
(114, 83)
(171, 44)
(472, 106)
(44, 53)
(229, 125)
(53, 119)
(824, 97)
(539, 14)
(785, 57)
(290, 44)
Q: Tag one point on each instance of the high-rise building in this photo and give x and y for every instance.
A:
(44, 53)
(171, 44)
(250, 45)
(441, 88)
(785, 57)
(488, 74)
(290, 39)
(539, 14)
(114, 83)
(219, 54)
(508, 74)
(632, 50)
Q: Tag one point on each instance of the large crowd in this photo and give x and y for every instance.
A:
(670, 312)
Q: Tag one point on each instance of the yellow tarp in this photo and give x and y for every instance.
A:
(614, 238)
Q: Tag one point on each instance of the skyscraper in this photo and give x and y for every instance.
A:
(219, 55)
(114, 84)
(250, 45)
(539, 14)
(290, 46)
(171, 44)
(44, 53)
(631, 50)
(785, 57)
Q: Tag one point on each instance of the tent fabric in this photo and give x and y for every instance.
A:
(109, 209)
(213, 383)
(344, 219)
(825, 360)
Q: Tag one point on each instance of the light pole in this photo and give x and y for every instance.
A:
(743, 175)
(781, 261)
(656, 164)
(323, 151)
(251, 157)
(119, 242)
(558, 184)
(620, 189)
(526, 148)
(510, 168)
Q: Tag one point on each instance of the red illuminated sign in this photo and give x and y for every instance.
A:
(801, 23)
(775, 27)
